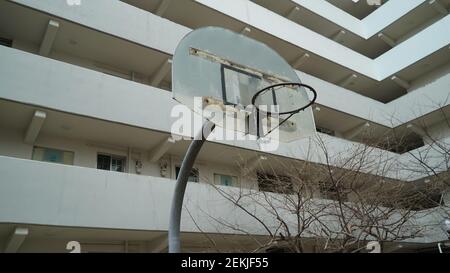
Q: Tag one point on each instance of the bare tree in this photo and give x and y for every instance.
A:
(336, 205)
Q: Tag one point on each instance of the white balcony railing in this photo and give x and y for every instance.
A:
(72, 89)
(147, 29)
(377, 21)
(39, 193)
(422, 44)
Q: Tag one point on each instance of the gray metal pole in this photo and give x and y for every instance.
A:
(180, 188)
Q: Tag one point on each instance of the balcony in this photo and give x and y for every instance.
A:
(331, 65)
(59, 203)
(86, 93)
(147, 60)
(39, 193)
(131, 207)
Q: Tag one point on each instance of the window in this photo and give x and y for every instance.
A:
(111, 163)
(274, 183)
(225, 180)
(193, 176)
(329, 192)
(237, 85)
(52, 155)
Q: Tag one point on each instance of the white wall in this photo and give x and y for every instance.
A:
(88, 198)
(419, 102)
(286, 30)
(438, 132)
(85, 155)
(371, 25)
(11, 144)
(427, 89)
(84, 197)
(417, 47)
(64, 87)
(334, 14)
(422, 44)
(73, 196)
(331, 96)
(390, 12)
(147, 29)
(117, 18)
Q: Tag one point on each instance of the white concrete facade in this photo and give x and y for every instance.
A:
(81, 79)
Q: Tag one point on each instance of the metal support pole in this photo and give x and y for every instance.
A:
(180, 187)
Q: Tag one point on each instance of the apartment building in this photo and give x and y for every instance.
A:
(85, 100)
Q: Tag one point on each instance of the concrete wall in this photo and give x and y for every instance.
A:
(371, 25)
(82, 196)
(115, 17)
(85, 197)
(331, 96)
(85, 155)
(11, 144)
(422, 44)
(64, 87)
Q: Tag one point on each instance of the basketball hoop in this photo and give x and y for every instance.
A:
(284, 86)
(224, 68)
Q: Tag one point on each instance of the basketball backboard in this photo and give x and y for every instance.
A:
(226, 69)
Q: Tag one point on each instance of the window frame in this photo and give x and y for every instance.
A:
(56, 149)
(265, 178)
(222, 174)
(113, 156)
(193, 169)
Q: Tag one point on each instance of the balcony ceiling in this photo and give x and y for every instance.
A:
(383, 91)
(103, 50)
(316, 65)
(95, 49)
(104, 240)
(359, 9)
(372, 48)
(98, 133)
(141, 59)
(95, 132)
